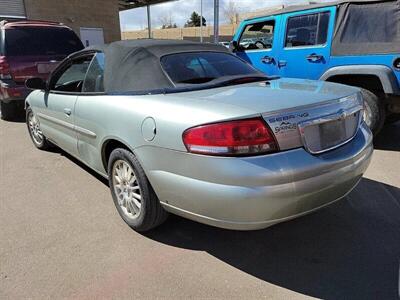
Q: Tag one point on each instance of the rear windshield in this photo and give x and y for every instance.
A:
(202, 67)
(24, 41)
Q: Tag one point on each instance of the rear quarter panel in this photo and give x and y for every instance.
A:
(121, 118)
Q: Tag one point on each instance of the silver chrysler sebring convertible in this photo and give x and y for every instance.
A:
(193, 130)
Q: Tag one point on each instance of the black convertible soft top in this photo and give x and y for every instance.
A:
(301, 7)
(134, 65)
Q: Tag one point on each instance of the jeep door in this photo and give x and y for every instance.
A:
(306, 43)
(258, 43)
(57, 117)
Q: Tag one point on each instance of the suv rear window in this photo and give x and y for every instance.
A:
(202, 67)
(307, 30)
(25, 41)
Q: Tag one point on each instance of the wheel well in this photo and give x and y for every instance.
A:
(368, 82)
(108, 147)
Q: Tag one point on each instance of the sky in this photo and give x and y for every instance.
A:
(180, 11)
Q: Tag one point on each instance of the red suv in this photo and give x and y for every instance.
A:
(29, 49)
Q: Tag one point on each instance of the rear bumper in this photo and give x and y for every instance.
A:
(255, 192)
(10, 91)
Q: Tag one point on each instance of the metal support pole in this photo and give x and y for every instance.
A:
(149, 21)
(201, 21)
(216, 21)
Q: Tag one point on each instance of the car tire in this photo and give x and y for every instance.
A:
(7, 111)
(393, 118)
(133, 195)
(36, 134)
(374, 111)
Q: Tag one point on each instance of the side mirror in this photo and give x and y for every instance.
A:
(36, 84)
(233, 46)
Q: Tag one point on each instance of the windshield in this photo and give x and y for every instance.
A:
(203, 67)
(36, 41)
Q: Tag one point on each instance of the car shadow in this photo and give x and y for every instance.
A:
(55, 149)
(348, 250)
(388, 138)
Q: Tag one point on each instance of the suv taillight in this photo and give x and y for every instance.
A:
(4, 68)
(232, 138)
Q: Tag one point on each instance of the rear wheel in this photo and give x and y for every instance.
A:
(374, 111)
(132, 193)
(36, 134)
(8, 111)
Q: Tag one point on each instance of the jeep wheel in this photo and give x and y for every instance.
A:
(7, 111)
(374, 111)
(393, 118)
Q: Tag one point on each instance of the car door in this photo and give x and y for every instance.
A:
(90, 115)
(306, 43)
(57, 117)
(257, 43)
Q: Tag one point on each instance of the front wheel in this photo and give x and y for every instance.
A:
(36, 134)
(374, 111)
(132, 193)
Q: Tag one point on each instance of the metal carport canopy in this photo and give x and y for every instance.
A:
(129, 4)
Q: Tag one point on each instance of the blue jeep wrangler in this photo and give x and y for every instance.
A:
(351, 42)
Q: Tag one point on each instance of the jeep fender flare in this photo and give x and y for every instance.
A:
(384, 73)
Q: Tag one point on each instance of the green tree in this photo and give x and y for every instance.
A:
(194, 20)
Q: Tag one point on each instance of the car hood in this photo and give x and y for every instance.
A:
(274, 95)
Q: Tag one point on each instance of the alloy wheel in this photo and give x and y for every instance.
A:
(34, 128)
(127, 189)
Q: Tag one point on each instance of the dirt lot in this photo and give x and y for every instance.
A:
(61, 237)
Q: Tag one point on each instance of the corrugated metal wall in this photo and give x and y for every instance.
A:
(12, 8)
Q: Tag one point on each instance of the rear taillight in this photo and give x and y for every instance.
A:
(4, 68)
(233, 138)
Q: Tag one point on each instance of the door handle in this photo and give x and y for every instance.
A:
(67, 111)
(314, 57)
(268, 60)
(282, 63)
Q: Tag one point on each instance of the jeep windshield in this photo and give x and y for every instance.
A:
(41, 41)
(208, 68)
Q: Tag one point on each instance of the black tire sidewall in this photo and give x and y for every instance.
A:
(122, 154)
(377, 110)
(7, 111)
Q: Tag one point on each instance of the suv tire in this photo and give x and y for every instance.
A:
(374, 111)
(8, 111)
(133, 195)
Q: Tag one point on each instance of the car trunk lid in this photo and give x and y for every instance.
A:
(318, 116)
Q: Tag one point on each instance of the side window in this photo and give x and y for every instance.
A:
(257, 36)
(307, 30)
(94, 81)
(71, 78)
